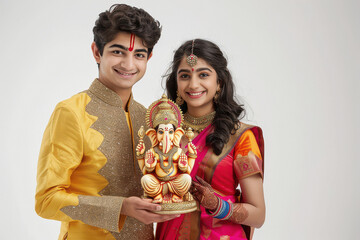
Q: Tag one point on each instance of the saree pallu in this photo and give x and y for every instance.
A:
(219, 171)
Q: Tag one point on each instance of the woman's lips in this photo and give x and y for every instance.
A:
(195, 94)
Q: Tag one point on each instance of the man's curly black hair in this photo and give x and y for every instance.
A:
(124, 18)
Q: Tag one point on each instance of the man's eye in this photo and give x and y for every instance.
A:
(117, 52)
(140, 55)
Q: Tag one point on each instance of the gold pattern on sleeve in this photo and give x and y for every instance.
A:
(246, 166)
(97, 211)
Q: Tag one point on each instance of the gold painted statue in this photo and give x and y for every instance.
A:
(165, 166)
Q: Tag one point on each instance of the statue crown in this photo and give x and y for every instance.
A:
(164, 111)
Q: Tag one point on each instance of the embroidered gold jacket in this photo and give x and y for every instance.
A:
(87, 166)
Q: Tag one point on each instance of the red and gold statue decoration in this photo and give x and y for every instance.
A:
(165, 165)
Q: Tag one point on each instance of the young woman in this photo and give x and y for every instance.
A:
(229, 152)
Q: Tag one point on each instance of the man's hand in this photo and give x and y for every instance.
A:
(204, 194)
(141, 209)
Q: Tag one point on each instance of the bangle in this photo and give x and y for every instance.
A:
(230, 212)
(223, 211)
(140, 156)
(192, 155)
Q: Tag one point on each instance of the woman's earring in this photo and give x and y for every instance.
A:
(179, 99)
(217, 94)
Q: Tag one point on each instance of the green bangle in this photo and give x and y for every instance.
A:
(141, 156)
(192, 155)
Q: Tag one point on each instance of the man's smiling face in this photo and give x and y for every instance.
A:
(122, 63)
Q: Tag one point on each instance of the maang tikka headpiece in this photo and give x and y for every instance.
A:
(192, 59)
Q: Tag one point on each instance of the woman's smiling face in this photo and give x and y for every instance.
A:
(197, 85)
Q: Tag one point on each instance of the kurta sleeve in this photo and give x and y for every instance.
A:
(60, 154)
(248, 160)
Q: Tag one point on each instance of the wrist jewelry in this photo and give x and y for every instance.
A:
(141, 156)
(223, 211)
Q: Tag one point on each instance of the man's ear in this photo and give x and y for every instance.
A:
(96, 52)
(150, 56)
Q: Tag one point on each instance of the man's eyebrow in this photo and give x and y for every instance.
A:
(118, 46)
(127, 49)
(141, 50)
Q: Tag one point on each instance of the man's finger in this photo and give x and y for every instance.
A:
(146, 204)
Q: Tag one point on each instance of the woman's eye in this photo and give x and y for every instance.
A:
(203, 75)
(184, 76)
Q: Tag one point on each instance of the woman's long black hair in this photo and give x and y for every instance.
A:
(228, 111)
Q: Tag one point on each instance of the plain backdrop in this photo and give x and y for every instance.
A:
(295, 65)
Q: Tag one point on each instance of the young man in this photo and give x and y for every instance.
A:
(88, 176)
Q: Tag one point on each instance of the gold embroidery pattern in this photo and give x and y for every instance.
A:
(212, 162)
(101, 211)
(120, 171)
(247, 165)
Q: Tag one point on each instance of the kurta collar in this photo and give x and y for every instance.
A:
(107, 95)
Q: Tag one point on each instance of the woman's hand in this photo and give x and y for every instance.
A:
(204, 194)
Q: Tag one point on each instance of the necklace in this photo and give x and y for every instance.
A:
(198, 123)
(168, 155)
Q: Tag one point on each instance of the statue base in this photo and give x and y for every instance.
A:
(178, 208)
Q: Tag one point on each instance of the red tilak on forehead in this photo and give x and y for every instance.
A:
(132, 42)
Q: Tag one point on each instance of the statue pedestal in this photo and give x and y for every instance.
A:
(178, 208)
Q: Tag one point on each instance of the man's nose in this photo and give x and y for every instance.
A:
(127, 62)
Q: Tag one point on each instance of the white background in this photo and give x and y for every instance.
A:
(295, 65)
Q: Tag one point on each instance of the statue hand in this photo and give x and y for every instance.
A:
(191, 148)
(204, 194)
(183, 162)
(140, 148)
(150, 160)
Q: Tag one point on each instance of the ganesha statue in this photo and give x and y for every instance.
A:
(165, 165)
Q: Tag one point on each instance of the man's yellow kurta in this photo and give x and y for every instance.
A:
(87, 166)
